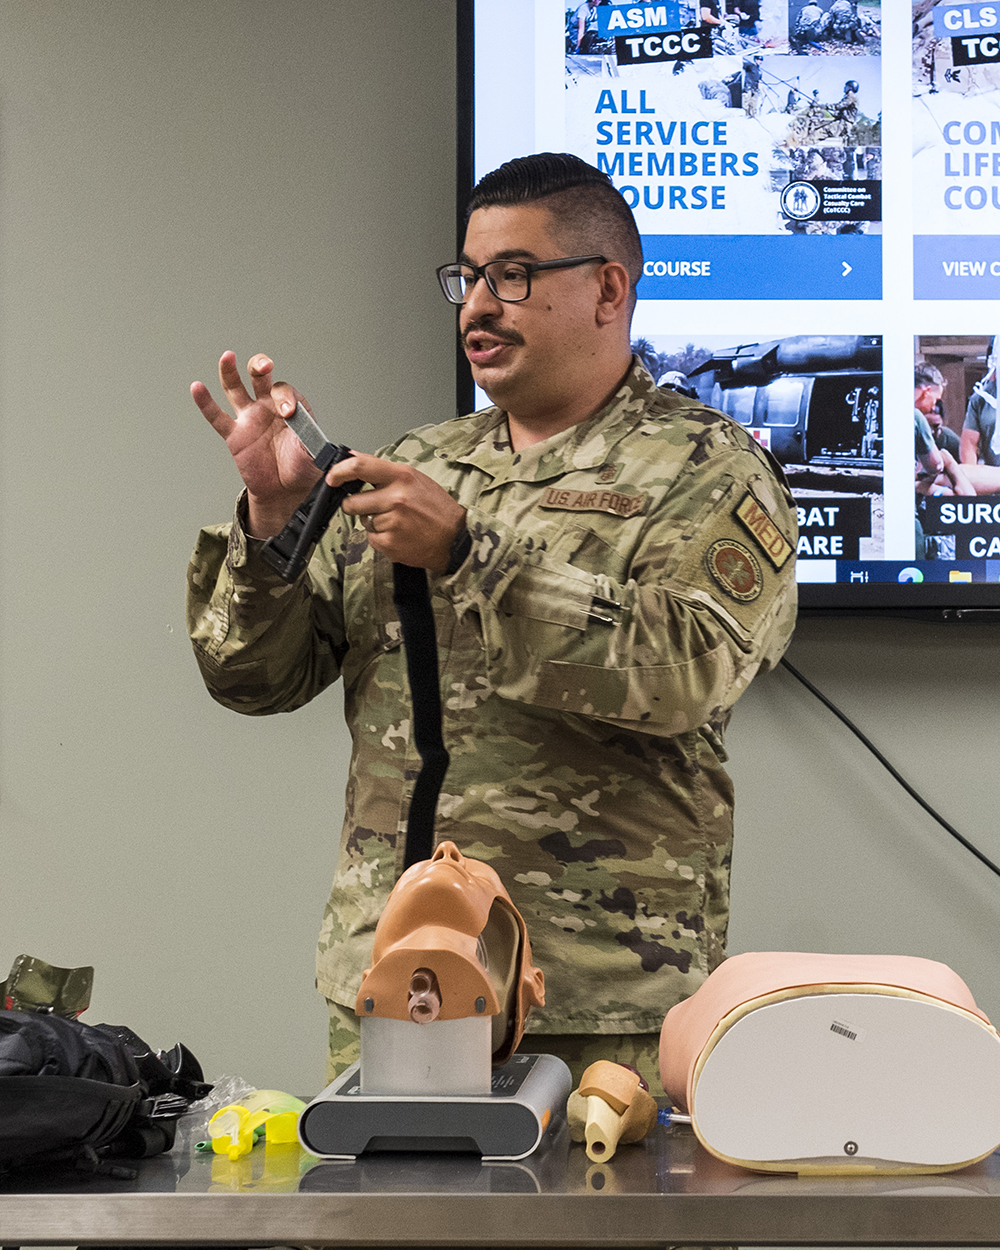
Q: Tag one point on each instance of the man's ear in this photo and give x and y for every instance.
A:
(614, 292)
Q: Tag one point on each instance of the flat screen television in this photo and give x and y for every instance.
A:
(817, 185)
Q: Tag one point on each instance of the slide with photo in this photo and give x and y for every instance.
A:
(746, 138)
(815, 402)
(956, 151)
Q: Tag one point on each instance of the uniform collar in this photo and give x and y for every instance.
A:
(485, 444)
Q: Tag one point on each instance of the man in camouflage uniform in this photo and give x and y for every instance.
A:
(609, 563)
(810, 28)
(845, 25)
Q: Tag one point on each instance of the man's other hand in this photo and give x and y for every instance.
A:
(277, 470)
(408, 516)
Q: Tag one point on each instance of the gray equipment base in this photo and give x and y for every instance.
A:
(528, 1093)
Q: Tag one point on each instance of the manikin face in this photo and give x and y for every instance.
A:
(528, 356)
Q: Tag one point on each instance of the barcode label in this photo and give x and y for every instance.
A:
(844, 1030)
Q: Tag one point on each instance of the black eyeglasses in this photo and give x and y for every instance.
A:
(509, 280)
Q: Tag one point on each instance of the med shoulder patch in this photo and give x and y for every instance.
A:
(726, 569)
(757, 521)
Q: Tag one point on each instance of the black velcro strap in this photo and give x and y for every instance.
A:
(459, 552)
(416, 617)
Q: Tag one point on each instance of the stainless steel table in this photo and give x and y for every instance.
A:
(664, 1191)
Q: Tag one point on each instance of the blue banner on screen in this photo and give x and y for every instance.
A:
(965, 19)
(956, 266)
(632, 19)
(754, 267)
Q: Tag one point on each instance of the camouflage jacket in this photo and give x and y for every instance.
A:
(627, 579)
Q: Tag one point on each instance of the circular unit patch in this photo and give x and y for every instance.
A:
(735, 568)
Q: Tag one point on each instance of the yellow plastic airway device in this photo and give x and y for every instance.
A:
(815, 1063)
(232, 1128)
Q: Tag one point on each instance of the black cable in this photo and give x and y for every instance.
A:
(890, 769)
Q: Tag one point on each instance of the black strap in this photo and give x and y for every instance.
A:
(412, 598)
(287, 554)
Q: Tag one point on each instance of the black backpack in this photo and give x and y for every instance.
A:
(84, 1094)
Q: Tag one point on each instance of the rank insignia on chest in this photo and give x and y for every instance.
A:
(735, 568)
(593, 501)
(756, 520)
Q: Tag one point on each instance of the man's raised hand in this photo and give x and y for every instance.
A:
(277, 470)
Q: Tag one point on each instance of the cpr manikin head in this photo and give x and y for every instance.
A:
(449, 945)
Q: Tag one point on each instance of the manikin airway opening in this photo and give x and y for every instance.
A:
(424, 1004)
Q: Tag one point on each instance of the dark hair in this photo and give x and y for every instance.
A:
(928, 375)
(589, 213)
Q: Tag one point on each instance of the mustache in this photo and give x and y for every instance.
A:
(487, 325)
